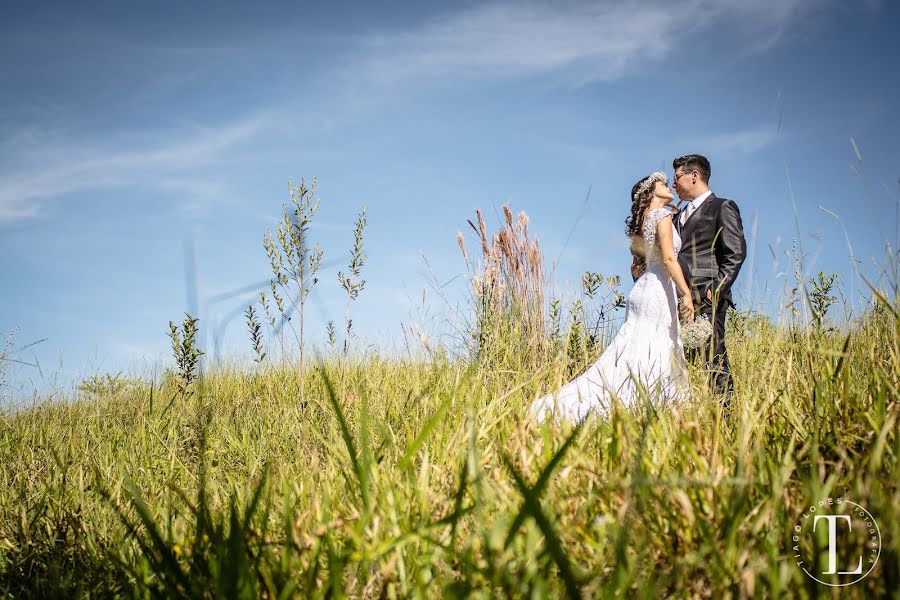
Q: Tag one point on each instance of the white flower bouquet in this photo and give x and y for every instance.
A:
(695, 333)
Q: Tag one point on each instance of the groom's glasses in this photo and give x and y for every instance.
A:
(680, 175)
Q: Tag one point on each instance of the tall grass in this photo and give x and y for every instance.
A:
(507, 291)
(426, 479)
(509, 331)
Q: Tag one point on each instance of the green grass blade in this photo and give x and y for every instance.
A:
(554, 546)
(542, 481)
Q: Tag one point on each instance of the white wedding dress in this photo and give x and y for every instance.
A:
(647, 347)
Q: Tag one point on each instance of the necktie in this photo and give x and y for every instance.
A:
(686, 213)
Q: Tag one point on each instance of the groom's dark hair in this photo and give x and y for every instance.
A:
(692, 162)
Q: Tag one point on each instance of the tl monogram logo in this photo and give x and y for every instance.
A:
(836, 542)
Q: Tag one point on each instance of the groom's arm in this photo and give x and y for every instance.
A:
(637, 267)
(731, 248)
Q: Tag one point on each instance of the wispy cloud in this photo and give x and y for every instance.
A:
(51, 166)
(585, 42)
(520, 39)
(576, 43)
(197, 194)
(743, 141)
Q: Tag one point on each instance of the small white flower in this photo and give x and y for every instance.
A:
(651, 181)
(695, 333)
(602, 520)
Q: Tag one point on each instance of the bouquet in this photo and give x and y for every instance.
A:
(695, 333)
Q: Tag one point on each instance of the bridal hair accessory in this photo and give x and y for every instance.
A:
(695, 333)
(657, 176)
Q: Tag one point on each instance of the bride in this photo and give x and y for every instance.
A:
(647, 350)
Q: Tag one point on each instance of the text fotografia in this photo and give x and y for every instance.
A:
(836, 542)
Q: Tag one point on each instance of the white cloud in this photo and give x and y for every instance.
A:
(54, 166)
(577, 43)
(744, 141)
(514, 39)
(585, 42)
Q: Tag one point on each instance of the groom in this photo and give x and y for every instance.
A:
(712, 252)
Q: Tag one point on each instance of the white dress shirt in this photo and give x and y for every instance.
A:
(693, 205)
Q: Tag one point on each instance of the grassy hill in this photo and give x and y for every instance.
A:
(374, 477)
(397, 479)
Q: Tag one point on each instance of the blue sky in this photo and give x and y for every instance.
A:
(127, 130)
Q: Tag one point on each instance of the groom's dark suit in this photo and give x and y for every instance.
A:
(712, 252)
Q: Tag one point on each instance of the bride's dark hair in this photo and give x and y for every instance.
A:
(639, 204)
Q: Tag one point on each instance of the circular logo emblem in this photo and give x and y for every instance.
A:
(836, 542)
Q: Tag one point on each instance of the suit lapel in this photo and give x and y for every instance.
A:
(695, 217)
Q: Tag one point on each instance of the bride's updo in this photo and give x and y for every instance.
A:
(641, 195)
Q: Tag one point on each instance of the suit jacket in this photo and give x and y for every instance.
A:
(712, 248)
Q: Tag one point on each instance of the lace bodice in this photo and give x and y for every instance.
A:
(654, 255)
